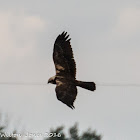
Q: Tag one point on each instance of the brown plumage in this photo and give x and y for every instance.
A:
(65, 66)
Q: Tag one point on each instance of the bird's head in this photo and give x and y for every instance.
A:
(52, 80)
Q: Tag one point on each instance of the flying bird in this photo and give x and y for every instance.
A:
(65, 66)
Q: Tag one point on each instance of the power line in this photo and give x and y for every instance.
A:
(23, 83)
(103, 84)
(119, 84)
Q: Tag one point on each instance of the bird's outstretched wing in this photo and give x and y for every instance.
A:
(63, 56)
(66, 92)
(65, 66)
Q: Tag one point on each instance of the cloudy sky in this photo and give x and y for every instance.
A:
(105, 40)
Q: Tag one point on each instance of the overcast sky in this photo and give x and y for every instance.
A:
(105, 40)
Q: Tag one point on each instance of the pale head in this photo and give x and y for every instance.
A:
(52, 80)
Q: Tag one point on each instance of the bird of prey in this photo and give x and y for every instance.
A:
(65, 66)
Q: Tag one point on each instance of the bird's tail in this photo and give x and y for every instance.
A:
(87, 85)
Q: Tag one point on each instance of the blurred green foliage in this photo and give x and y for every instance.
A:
(55, 134)
(58, 134)
(3, 135)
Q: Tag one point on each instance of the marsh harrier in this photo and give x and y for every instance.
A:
(65, 66)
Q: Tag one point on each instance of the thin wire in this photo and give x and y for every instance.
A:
(104, 84)
(119, 84)
(23, 83)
